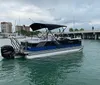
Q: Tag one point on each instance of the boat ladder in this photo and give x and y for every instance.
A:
(16, 45)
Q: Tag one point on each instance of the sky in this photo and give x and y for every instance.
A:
(72, 13)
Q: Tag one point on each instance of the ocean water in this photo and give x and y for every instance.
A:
(81, 68)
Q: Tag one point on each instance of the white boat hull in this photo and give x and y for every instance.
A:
(53, 52)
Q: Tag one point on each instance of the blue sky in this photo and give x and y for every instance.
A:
(83, 13)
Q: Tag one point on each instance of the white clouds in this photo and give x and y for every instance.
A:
(95, 22)
(15, 10)
(32, 12)
(54, 11)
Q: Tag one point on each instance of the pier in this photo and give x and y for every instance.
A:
(93, 34)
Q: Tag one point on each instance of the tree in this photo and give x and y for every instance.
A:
(81, 29)
(28, 33)
(76, 29)
(71, 29)
(23, 32)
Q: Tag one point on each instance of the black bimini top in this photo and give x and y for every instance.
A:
(37, 26)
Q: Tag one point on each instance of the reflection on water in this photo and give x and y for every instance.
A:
(7, 69)
(50, 71)
(41, 71)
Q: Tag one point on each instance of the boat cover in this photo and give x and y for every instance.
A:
(37, 26)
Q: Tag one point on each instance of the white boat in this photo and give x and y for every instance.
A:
(47, 45)
(50, 45)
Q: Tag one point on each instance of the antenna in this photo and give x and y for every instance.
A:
(15, 25)
(31, 19)
(19, 20)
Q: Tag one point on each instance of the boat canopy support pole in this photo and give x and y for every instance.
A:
(54, 38)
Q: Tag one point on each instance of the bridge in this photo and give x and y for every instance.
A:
(90, 34)
(93, 34)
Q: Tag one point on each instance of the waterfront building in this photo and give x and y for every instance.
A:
(26, 28)
(19, 28)
(6, 27)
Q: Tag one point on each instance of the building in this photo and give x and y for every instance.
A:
(19, 28)
(6, 27)
(26, 28)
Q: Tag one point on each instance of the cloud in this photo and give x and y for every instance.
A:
(15, 10)
(67, 12)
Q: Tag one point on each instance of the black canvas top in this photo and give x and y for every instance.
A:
(37, 26)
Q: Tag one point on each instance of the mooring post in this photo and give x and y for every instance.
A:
(82, 36)
(74, 35)
(26, 44)
(95, 36)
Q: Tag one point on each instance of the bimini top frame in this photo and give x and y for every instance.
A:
(37, 26)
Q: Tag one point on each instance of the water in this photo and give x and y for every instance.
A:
(71, 69)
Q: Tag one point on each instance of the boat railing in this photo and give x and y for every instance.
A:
(16, 45)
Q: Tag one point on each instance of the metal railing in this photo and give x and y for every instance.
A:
(16, 45)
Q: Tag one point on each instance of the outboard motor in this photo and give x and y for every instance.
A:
(7, 52)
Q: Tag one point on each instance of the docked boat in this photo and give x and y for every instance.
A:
(49, 44)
